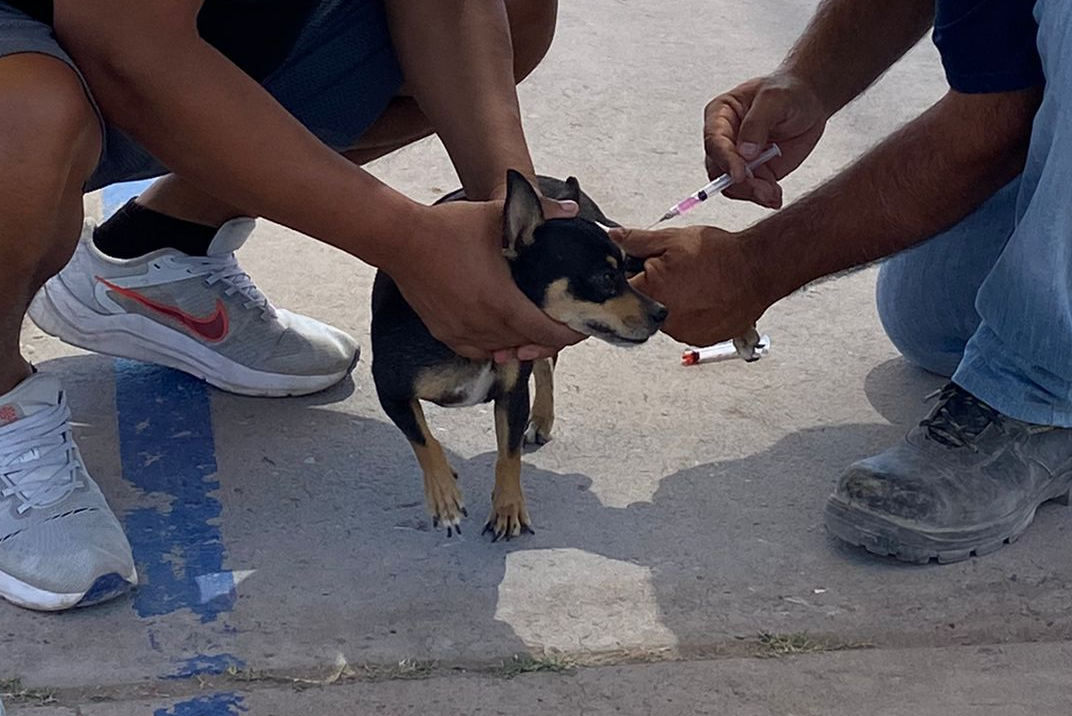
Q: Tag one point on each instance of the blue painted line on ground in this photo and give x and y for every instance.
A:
(202, 665)
(166, 448)
(222, 704)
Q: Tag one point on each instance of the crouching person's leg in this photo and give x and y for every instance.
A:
(60, 544)
(926, 295)
(998, 442)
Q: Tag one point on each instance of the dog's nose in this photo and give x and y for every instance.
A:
(660, 314)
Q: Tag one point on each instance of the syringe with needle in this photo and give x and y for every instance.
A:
(717, 186)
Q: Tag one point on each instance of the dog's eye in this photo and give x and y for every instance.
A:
(607, 282)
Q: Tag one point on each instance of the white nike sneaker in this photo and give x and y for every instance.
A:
(60, 544)
(198, 314)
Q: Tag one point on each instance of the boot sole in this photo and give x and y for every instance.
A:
(885, 536)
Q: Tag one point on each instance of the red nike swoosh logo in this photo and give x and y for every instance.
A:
(212, 328)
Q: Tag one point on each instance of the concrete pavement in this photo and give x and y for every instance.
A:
(678, 510)
(1009, 680)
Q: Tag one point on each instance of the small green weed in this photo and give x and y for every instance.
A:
(15, 692)
(772, 646)
(532, 663)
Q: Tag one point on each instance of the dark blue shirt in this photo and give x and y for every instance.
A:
(988, 45)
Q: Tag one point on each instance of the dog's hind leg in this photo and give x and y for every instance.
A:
(746, 344)
(543, 403)
(508, 517)
(441, 491)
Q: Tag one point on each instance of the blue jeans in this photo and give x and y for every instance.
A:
(989, 302)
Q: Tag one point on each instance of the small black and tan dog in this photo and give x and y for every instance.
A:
(568, 267)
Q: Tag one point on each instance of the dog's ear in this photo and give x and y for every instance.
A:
(574, 188)
(522, 215)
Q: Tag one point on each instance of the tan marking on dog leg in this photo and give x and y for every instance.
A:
(509, 517)
(441, 491)
(542, 418)
(508, 373)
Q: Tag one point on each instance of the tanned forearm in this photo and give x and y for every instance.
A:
(458, 60)
(206, 120)
(849, 44)
(921, 180)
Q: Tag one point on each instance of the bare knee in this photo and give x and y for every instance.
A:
(532, 28)
(49, 147)
(50, 129)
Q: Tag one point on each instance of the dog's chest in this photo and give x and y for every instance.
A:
(477, 389)
(459, 385)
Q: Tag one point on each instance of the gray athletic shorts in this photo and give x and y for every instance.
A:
(337, 80)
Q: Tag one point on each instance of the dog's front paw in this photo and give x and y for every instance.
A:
(539, 431)
(508, 518)
(445, 504)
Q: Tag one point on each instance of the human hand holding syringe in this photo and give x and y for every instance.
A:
(728, 349)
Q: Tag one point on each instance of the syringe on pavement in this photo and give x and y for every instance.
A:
(721, 351)
(717, 186)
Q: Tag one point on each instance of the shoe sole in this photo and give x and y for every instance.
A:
(59, 313)
(105, 588)
(883, 536)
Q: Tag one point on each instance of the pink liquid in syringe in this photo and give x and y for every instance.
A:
(687, 204)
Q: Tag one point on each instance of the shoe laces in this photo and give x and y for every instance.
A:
(37, 465)
(959, 417)
(225, 269)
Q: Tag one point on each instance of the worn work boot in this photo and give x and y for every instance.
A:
(965, 481)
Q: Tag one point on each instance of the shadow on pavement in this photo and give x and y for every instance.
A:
(346, 558)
